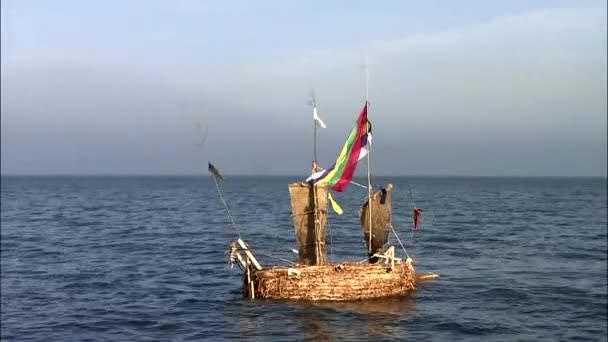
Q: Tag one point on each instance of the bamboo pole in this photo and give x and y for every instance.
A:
(249, 254)
(240, 259)
(369, 152)
(249, 282)
(318, 250)
(314, 195)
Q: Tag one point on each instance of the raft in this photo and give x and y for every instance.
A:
(314, 277)
(335, 282)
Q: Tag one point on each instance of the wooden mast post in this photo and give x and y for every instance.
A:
(369, 152)
(314, 187)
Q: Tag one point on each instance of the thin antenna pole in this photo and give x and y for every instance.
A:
(314, 122)
(366, 80)
(315, 143)
(369, 178)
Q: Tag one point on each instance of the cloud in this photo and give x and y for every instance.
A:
(516, 86)
(543, 66)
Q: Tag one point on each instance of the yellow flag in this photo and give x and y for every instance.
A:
(334, 204)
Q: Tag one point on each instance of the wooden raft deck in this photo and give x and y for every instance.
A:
(334, 282)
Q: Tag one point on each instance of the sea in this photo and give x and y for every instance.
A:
(144, 258)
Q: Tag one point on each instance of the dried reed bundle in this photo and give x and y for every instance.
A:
(349, 281)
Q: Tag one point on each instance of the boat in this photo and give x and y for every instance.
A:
(313, 277)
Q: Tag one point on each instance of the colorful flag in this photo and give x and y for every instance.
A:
(339, 175)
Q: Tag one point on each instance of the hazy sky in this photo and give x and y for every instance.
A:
(456, 87)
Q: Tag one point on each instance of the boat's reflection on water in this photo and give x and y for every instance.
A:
(372, 319)
(368, 319)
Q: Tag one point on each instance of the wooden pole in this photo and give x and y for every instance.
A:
(369, 152)
(240, 259)
(249, 282)
(249, 254)
(314, 195)
(317, 223)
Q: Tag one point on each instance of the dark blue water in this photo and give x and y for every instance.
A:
(143, 258)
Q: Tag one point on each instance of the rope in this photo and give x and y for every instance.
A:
(304, 213)
(397, 236)
(352, 182)
(226, 207)
(317, 223)
(331, 243)
(274, 257)
(413, 207)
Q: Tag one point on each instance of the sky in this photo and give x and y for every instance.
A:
(479, 88)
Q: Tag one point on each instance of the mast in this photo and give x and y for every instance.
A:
(310, 214)
(369, 152)
(314, 106)
(314, 186)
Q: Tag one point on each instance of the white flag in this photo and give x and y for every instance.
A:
(315, 116)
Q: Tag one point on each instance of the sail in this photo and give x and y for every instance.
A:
(381, 219)
(339, 175)
(310, 236)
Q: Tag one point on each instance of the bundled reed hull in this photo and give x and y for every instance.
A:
(351, 281)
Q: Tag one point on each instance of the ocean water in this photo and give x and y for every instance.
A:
(143, 258)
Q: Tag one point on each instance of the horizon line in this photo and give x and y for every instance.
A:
(285, 175)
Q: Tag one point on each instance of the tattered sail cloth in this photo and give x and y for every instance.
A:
(381, 218)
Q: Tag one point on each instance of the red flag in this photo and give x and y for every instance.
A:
(416, 218)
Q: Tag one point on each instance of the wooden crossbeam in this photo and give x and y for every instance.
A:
(254, 261)
(240, 259)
